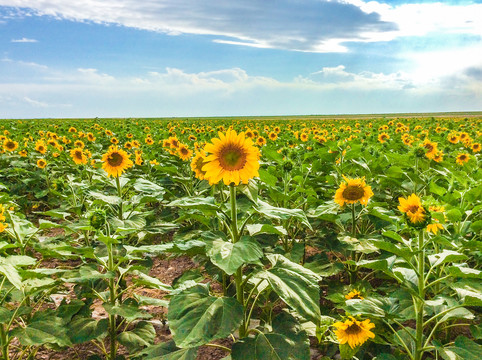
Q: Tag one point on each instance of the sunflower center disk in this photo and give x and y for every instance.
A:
(353, 193)
(353, 329)
(115, 159)
(412, 209)
(232, 158)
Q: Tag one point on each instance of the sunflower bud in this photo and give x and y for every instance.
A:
(98, 219)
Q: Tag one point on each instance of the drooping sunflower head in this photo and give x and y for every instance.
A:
(415, 212)
(197, 164)
(116, 161)
(233, 159)
(354, 332)
(352, 191)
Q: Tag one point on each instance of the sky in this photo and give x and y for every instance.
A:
(194, 58)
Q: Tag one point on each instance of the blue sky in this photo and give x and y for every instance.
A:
(161, 58)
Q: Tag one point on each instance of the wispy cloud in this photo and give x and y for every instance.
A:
(35, 102)
(304, 25)
(24, 40)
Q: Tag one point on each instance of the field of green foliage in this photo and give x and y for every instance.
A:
(309, 238)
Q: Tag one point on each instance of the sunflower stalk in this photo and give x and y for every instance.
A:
(420, 301)
(238, 276)
(354, 268)
(119, 193)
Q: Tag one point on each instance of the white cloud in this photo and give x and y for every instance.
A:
(233, 91)
(24, 40)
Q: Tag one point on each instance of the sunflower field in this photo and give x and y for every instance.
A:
(241, 238)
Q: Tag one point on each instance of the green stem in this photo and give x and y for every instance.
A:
(112, 300)
(238, 276)
(353, 270)
(421, 300)
(119, 192)
(5, 342)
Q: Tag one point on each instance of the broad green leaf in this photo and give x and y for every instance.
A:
(84, 274)
(166, 351)
(264, 347)
(189, 247)
(229, 257)
(393, 235)
(5, 315)
(444, 257)
(18, 260)
(256, 229)
(454, 215)
(381, 308)
(11, 274)
(463, 349)
(285, 324)
(200, 203)
(48, 330)
(295, 285)
(83, 329)
(267, 178)
(278, 213)
(107, 199)
(396, 249)
(197, 318)
(129, 312)
(141, 336)
(476, 226)
(20, 229)
(154, 283)
(469, 295)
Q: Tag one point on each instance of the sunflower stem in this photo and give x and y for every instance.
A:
(119, 193)
(421, 300)
(238, 276)
(353, 270)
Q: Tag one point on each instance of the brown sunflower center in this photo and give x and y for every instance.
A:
(462, 157)
(184, 151)
(413, 209)
(78, 155)
(232, 157)
(429, 147)
(353, 329)
(115, 159)
(353, 192)
(10, 145)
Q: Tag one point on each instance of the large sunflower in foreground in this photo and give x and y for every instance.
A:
(233, 158)
(115, 161)
(354, 332)
(352, 191)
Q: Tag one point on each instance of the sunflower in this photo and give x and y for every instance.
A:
(40, 147)
(90, 137)
(273, 136)
(352, 191)
(78, 156)
(434, 227)
(138, 155)
(430, 147)
(114, 140)
(354, 332)
(10, 145)
(354, 294)
(453, 138)
(184, 153)
(233, 159)
(115, 161)
(41, 163)
(438, 156)
(260, 141)
(383, 137)
(462, 158)
(23, 153)
(413, 209)
(475, 147)
(197, 164)
(304, 137)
